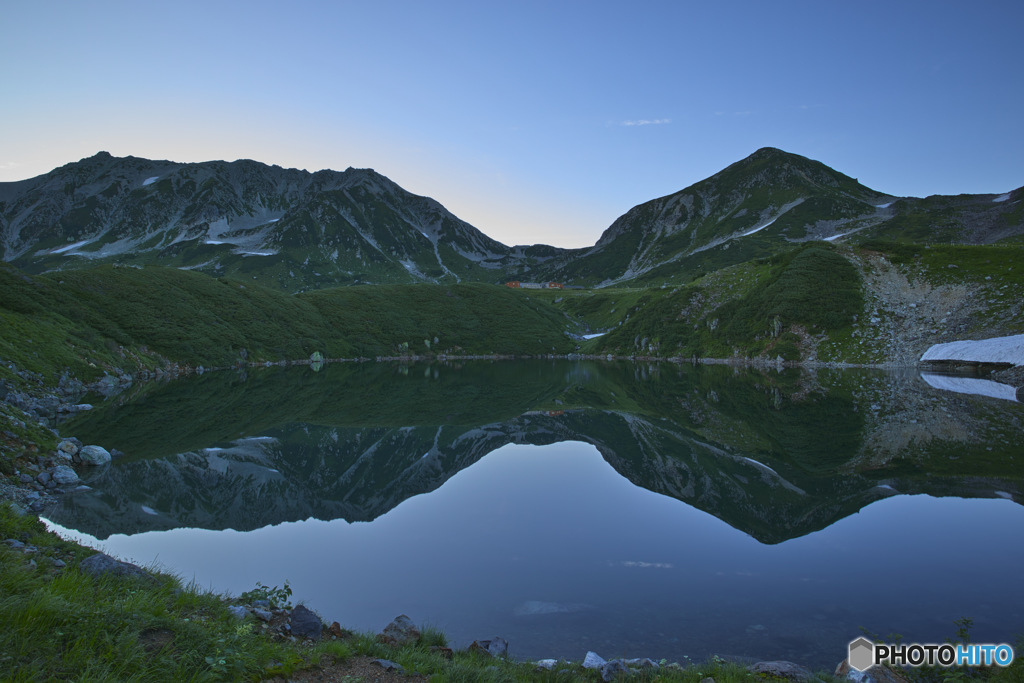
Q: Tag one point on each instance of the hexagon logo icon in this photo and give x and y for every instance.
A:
(862, 654)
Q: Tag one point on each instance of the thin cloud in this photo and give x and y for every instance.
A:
(646, 122)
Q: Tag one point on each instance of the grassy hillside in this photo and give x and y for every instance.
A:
(110, 317)
(761, 307)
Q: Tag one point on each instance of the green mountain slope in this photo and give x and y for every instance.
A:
(85, 320)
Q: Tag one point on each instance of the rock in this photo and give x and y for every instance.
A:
(14, 543)
(68, 447)
(445, 652)
(641, 663)
(43, 478)
(495, 647)
(101, 563)
(25, 478)
(238, 612)
(336, 630)
(610, 670)
(593, 661)
(401, 631)
(263, 614)
(548, 664)
(783, 669)
(64, 475)
(59, 564)
(94, 455)
(305, 623)
(709, 679)
(875, 674)
(388, 665)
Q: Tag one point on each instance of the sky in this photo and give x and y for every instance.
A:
(536, 122)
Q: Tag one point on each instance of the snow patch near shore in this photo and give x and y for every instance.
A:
(995, 350)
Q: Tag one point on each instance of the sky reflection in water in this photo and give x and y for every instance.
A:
(552, 549)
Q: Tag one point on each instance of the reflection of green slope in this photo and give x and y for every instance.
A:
(200, 411)
(773, 455)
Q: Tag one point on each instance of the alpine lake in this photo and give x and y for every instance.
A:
(633, 509)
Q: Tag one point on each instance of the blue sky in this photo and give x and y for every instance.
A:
(534, 121)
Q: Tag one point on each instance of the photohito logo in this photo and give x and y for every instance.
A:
(864, 654)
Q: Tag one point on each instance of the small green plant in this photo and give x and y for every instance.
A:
(279, 598)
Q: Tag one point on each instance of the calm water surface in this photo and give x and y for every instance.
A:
(630, 510)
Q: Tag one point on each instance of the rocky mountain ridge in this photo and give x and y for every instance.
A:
(295, 230)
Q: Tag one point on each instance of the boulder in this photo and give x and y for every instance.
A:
(399, 632)
(783, 669)
(68, 447)
(611, 669)
(495, 647)
(593, 661)
(64, 475)
(305, 624)
(94, 455)
(101, 563)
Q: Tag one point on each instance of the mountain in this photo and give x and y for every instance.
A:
(294, 230)
(287, 228)
(769, 202)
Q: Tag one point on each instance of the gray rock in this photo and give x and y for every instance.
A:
(495, 647)
(548, 664)
(68, 447)
(25, 478)
(59, 564)
(238, 612)
(263, 614)
(611, 669)
(14, 543)
(101, 563)
(64, 475)
(783, 669)
(399, 632)
(43, 478)
(388, 665)
(305, 623)
(641, 663)
(94, 455)
(593, 661)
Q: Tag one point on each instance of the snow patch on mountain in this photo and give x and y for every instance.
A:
(1002, 198)
(995, 350)
(150, 181)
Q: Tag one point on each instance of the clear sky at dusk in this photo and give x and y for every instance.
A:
(534, 121)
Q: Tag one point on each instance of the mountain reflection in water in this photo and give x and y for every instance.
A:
(573, 554)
